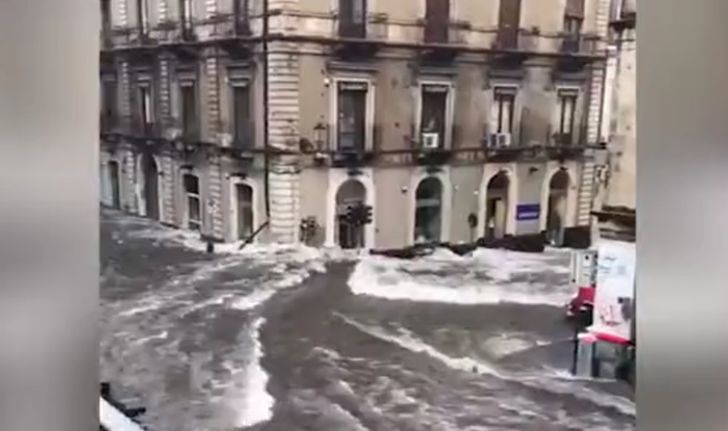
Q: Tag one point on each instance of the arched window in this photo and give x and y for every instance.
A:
(496, 210)
(428, 210)
(556, 215)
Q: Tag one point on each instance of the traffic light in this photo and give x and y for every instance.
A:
(367, 214)
(351, 214)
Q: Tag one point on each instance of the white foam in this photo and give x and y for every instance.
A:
(256, 404)
(413, 344)
(483, 277)
(408, 341)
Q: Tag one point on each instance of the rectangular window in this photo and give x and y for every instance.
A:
(143, 15)
(146, 117)
(509, 19)
(106, 16)
(434, 110)
(242, 126)
(352, 18)
(574, 8)
(185, 8)
(189, 110)
(241, 13)
(567, 111)
(572, 26)
(192, 190)
(352, 101)
(503, 109)
(437, 18)
(573, 18)
(108, 104)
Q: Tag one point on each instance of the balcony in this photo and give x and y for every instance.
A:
(442, 38)
(501, 147)
(512, 47)
(427, 153)
(351, 158)
(359, 39)
(577, 52)
(562, 146)
(623, 15)
(232, 32)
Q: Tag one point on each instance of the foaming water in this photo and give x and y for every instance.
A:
(186, 340)
(256, 404)
(484, 277)
(545, 380)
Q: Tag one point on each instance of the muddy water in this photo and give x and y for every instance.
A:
(291, 339)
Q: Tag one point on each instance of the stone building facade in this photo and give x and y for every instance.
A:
(616, 203)
(453, 120)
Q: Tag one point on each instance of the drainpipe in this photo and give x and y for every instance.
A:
(266, 147)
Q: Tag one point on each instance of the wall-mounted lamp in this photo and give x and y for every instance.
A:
(532, 170)
(404, 189)
(319, 134)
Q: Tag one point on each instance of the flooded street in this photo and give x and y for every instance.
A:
(276, 338)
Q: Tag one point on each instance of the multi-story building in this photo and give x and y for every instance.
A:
(616, 200)
(452, 119)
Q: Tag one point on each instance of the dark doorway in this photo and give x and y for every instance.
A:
(428, 212)
(349, 195)
(114, 179)
(194, 209)
(496, 213)
(557, 201)
(244, 210)
(151, 186)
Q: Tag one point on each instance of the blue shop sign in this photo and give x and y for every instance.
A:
(528, 212)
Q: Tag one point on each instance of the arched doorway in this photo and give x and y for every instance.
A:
(114, 183)
(150, 186)
(243, 211)
(350, 194)
(428, 210)
(496, 209)
(557, 201)
(192, 203)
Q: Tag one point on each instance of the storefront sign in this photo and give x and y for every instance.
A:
(528, 212)
(614, 300)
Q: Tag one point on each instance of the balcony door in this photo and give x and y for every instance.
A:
(352, 18)
(509, 19)
(437, 17)
(352, 105)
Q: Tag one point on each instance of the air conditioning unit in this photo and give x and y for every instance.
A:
(430, 141)
(499, 140)
(225, 139)
(173, 133)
